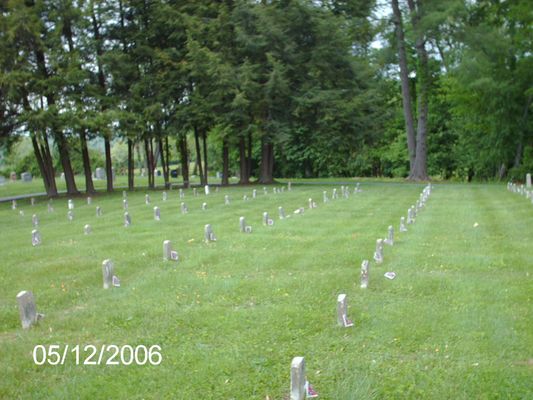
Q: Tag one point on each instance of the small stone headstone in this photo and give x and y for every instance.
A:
(107, 271)
(168, 253)
(312, 204)
(70, 215)
(127, 219)
(182, 195)
(325, 196)
(194, 192)
(115, 281)
(157, 214)
(32, 201)
(13, 176)
(243, 227)
(147, 199)
(21, 213)
(390, 236)
(209, 235)
(2, 180)
(528, 180)
(70, 204)
(89, 200)
(100, 173)
(378, 254)
(409, 216)
(204, 206)
(358, 187)
(124, 194)
(14, 204)
(245, 198)
(164, 196)
(413, 213)
(281, 213)
(50, 208)
(26, 177)
(226, 200)
(184, 208)
(125, 204)
(289, 186)
(334, 194)
(87, 229)
(35, 220)
(254, 193)
(342, 312)
(403, 228)
(298, 380)
(267, 220)
(35, 238)
(265, 190)
(282, 189)
(27, 310)
(206, 190)
(299, 211)
(98, 211)
(364, 274)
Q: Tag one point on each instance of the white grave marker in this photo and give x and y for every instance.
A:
(87, 229)
(35, 238)
(107, 271)
(342, 312)
(243, 227)
(70, 215)
(98, 211)
(226, 200)
(27, 310)
(127, 219)
(184, 208)
(35, 220)
(378, 254)
(209, 235)
(168, 253)
(281, 213)
(390, 236)
(157, 214)
(365, 274)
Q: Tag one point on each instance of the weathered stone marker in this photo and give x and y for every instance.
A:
(98, 211)
(87, 229)
(226, 200)
(209, 235)
(35, 238)
(182, 195)
(26, 177)
(204, 206)
(89, 200)
(342, 312)
(311, 203)
(14, 205)
(125, 204)
(107, 271)
(334, 194)
(194, 192)
(50, 207)
(378, 254)
(243, 227)
(70, 215)
(147, 199)
(265, 190)
(298, 381)
(410, 218)
(35, 220)
(70, 204)
(289, 186)
(124, 194)
(206, 190)
(32, 201)
(528, 180)
(403, 228)
(157, 214)
(325, 196)
(254, 193)
(165, 196)
(364, 274)
(168, 253)
(281, 213)
(390, 236)
(267, 220)
(27, 310)
(127, 219)
(184, 208)
(358, 187)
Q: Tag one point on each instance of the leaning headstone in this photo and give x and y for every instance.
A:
(226, 200)
(70, 204)
(147, 199)
(342, 312)
(26, 177)
(281, 213)
(127, 219)
(70, 215)
(209, 235)
(184, 208)
(528, 180)
(182, 195)
(206, 190)
(27, 310)
(254, 193)
(87, 229)
(98, 211)
(267, 220)
(378, 254)
(390, 236)
(35, 238)
(168, 253)
(157, 214)
(14, 204)
(204, 206)
(403, 228)
(364, 274)
(35, 220)
(107, 271)
(298, 381)
(164, 196)
(325, 196)
(243, 227)
(125, 204)
(32, 201)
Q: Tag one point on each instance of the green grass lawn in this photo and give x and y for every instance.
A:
(456, 323)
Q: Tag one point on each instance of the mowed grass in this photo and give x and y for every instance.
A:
(456, 323)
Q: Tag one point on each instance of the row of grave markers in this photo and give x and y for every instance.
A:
(523, 190)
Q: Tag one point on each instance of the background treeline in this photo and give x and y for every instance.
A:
(265, 89)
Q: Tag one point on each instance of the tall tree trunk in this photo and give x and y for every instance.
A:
(204, 137)
(420, 171)
(108, 164)
(164, 161)
(225, 162)
(89, 186)
(243, 162)
(64, 156)
(42, 167)
(267, 161)
(184, 156)
(404, 78)
(198, 155)
(150, 162)
(131, 166)
(249, 156)
(48, 163)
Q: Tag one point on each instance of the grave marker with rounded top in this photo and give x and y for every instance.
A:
(87, 229)
(147, 199)
(165, 196)
(365, 265)
(358, 187)
(409, 216)
(342, 312)
(298, 391)
(168, 253)
(184, 208)
(528, 180)
(194, 192)
(325, 196)
(378, 254)
(14, 204)
(27, 310)
(107, 271)
(206, 190)
(127, 219)
(125, 204)
(35, 220)
(32, 201)
(182, 195)
(89, 200)
(98, 211)
(245, 198)
(209, 235)
(254, 193)
(390, 236)
(70, 215)
(157, 214)
(204, 206)
(226, 200)
(403, 228)
(334, 194)
(70, 204)
(289, 186)
(266, 220)
(243, 227)
(35, 238)
(281, 213)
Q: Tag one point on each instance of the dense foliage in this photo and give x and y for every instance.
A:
(266, 89)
